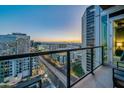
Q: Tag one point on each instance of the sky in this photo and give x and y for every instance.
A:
(47, 23)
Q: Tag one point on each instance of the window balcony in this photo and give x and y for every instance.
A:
(71, 69)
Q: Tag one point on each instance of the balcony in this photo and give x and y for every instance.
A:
(71, 69)
(102, 78)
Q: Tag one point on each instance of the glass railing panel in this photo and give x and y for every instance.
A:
(19, 70)
(105, 55)
(55, 65)
(50, 70)
(14, 71)
(80, 64)
(97, 57)
(50, 80)
(27, 72)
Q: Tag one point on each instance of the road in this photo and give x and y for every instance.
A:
(56, 72)
(60, 68)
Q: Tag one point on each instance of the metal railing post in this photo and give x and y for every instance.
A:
(68, 69)
(92, 61)
(40, 84)
(117, 64)
(102, 55)
(113, 77)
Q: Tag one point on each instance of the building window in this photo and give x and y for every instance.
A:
(104, 30)
(104, 35)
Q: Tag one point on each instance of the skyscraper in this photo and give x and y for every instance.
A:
(90, 34)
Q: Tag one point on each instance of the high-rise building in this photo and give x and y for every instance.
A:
(12, 44)
(102, 26)
(90, 34)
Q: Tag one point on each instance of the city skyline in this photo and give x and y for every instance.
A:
(25, 63)
(43, 23)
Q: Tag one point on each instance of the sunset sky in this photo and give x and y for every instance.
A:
(43, 23)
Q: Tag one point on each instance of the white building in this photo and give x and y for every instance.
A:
(90, 35)
(12, 44)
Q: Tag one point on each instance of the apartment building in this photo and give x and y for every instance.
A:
(11, 44)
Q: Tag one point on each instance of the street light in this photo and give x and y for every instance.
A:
(45, 75)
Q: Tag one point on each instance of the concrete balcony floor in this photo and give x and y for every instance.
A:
(102, 78)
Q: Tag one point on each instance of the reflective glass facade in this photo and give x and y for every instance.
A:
(104, 35)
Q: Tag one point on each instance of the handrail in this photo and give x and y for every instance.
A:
(8, 57)
(119, 69)
(115, 84)
(118, 66)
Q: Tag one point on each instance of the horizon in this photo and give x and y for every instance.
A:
(59, 41)
(44, 23)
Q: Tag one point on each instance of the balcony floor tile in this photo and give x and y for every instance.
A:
(101, 79)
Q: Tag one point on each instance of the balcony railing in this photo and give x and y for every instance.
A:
(76, 64)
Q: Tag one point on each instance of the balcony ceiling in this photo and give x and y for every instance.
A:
(104, 7)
